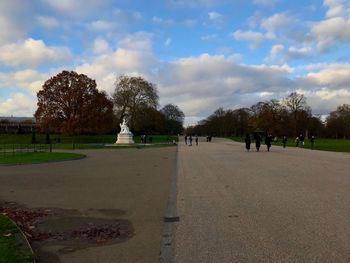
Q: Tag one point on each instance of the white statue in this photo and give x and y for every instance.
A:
(124, 129)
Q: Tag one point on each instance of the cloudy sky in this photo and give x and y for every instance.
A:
(202, 54)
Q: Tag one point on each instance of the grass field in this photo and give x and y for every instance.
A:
(10, 249)
(8, 141)
(36, 157)
(334, 145)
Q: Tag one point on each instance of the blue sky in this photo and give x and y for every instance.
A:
(202, 54)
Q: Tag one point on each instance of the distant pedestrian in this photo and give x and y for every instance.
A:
(312, 140)
(284, 141)
(186, 139)
(190, 138)
(301, 140)
(268, 141)
(196, 140)
(257, 141)
(247, 142)
(297, 141)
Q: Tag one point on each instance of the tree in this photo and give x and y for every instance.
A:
(132, 95)
(70, 103)
(296, 103)
(338, 122)
(174, 118)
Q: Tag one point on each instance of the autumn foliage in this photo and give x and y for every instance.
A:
(70, 103)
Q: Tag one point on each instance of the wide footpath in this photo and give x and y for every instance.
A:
(286, 205)
(130, 184)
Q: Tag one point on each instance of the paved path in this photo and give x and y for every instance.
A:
(130, 184)
(287, 205)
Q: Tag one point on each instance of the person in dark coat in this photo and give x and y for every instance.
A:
(190, 138)
(257, 141)
(185, 139)
(247, 142)
(268, 140)
(312, 140)
(284, 141)
(196, 140)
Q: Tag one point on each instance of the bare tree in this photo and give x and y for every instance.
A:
(174, 118)
(132, 95)
(296, 103)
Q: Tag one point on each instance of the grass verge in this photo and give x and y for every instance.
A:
(333, 145)
(11, 250)
(36, 157)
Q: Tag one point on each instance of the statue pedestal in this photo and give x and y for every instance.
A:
(125, 138)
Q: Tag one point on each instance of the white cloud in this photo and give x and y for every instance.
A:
(32, 52)
(331, 31)
(300, 52)
(276, 50)
(137, 41)
(276, 22)
(102, 25)
(47, 22)
(17, 105)
(216, 18)
(161, 21)
(167, 42)
(337, 8)
(336, 76)
(254, 37)
(209, 37)
(77, 8)
(266, 2)
(100, 46)
(27, 80)
(14, 22)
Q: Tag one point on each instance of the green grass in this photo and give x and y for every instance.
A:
(16, 141)
(334, 145)
(10, 248)
(36, 157)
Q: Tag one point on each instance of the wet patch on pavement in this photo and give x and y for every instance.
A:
(54, 231)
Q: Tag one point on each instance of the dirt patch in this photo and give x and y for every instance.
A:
(53, 231)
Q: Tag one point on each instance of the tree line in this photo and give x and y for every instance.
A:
(290, 117)
(70, 103)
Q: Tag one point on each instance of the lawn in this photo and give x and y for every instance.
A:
(334, 145)
(36, 157)
(10, 141)
(10, 248)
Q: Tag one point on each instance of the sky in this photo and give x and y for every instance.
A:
(201, 54)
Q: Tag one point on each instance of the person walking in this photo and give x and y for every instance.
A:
(196, 140)
(284, 141)
(186, 139)
(190, 138)
(312, 140)
(301, 140)
(247, 142)
(257, 141)
(268, 140)
(297, 141)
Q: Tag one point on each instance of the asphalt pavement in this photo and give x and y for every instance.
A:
(286, 205)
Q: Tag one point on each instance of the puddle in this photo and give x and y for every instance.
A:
(54, 231)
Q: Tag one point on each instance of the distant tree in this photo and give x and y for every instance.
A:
(174, 118)
(296, 103)
(338, 122)
(70, 103)
(132, 95)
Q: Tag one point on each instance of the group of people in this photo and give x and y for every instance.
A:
(144, 139)
(188, 140)
(269, 138)
(268, 141)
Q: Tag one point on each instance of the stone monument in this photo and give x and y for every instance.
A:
(125, 135)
